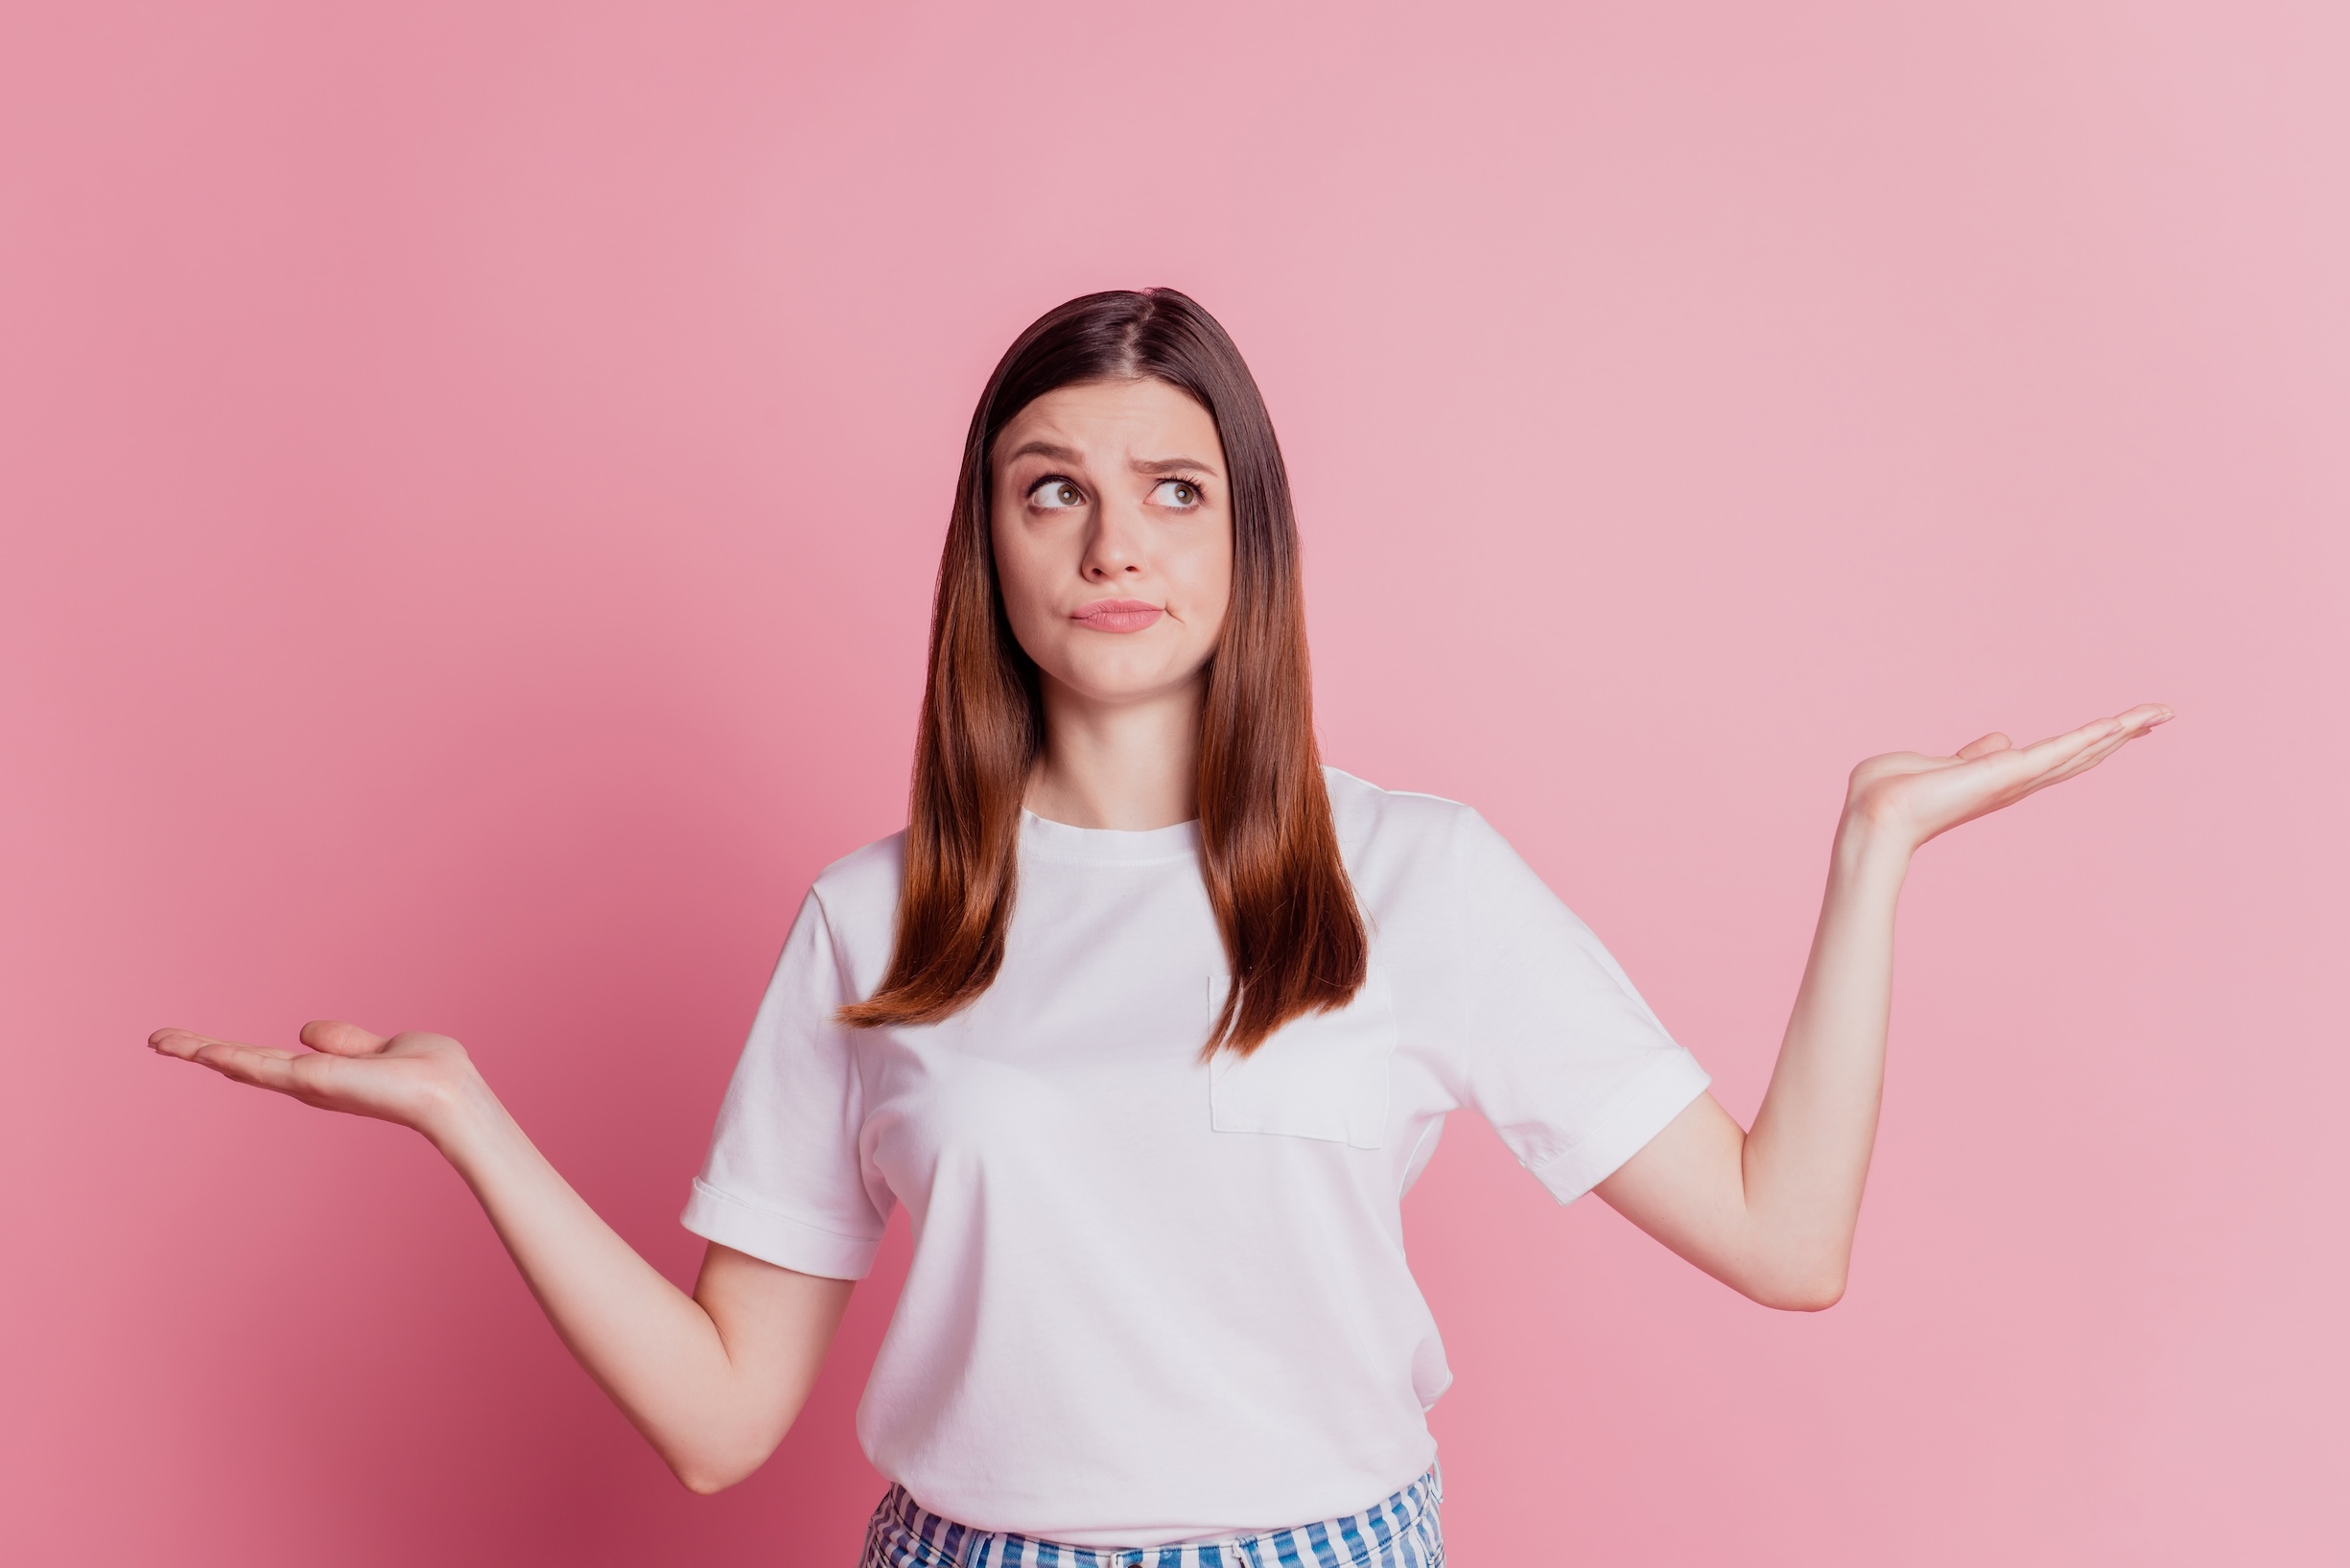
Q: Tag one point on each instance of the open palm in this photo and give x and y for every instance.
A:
(412, 1078)
(1917, 797)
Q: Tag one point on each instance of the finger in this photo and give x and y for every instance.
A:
(2137, 722)
(2081, 763)
(2043, 757)
(2013, 773)
(1983, 746)
(2097, 753)
(182, 1043)
(2132, 721)
(288, 1072)
(338, 1039)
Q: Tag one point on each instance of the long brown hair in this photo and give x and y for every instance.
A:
(1283, 902)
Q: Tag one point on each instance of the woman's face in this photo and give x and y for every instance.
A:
(1114, 537)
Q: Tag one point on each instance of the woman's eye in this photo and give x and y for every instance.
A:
(1176, 493)
(1056, 495)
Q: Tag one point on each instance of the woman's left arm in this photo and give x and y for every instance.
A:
(1770, 1212)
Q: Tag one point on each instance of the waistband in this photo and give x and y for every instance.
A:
(1401, 1530)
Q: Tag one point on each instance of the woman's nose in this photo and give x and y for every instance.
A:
(1114, 545)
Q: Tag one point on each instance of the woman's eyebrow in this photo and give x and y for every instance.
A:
(1172, 465)
(1043, 449)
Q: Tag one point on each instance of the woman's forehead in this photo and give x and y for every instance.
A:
(1130, 417)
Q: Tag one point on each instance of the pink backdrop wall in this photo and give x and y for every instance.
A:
(471, 475)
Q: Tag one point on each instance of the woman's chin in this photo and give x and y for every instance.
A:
(1122, 684)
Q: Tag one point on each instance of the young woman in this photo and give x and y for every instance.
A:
(1150, 1020)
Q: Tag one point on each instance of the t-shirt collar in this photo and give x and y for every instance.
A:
(1046, 840)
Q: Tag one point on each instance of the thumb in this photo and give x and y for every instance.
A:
(337, 1038)
(1983, 746)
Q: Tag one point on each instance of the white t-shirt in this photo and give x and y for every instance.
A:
(1154, 1299)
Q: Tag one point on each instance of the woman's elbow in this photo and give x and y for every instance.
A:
(1815, 1298)
(712, 1470)
(704, 1482)
(1804, 1290)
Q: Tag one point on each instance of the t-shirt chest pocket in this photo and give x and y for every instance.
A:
(1320, 1076)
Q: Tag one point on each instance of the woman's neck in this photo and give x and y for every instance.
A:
(1130, 766)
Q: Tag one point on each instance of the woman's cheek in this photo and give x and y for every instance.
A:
(1017, 576)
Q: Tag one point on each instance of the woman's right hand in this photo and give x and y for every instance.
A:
(714, 1379)
(415, 1079)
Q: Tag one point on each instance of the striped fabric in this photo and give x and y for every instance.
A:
(1401, 1532)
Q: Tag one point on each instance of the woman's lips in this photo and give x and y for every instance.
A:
(1117, 614)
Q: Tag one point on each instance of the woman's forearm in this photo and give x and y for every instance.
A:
(1770, 1212)
(714, 1411)
(1805, 1160)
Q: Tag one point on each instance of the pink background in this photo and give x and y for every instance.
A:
(471, 475)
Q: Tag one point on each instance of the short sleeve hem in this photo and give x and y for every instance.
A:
(1662, 1090)
(777, 1238)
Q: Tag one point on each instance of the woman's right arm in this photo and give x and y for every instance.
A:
(714, 1380)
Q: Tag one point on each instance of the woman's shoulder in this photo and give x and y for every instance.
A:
(860, 888)
(1412, 853)
(1384, 824)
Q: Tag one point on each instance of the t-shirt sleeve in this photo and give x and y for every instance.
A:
(1558, 1052)
(784, 1179)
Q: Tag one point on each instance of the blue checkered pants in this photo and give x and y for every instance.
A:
(1400, 1531)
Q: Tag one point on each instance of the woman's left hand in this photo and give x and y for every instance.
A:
(1911, 797)
(1772, 1212)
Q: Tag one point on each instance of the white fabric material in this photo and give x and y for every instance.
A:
(1152, 1299)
